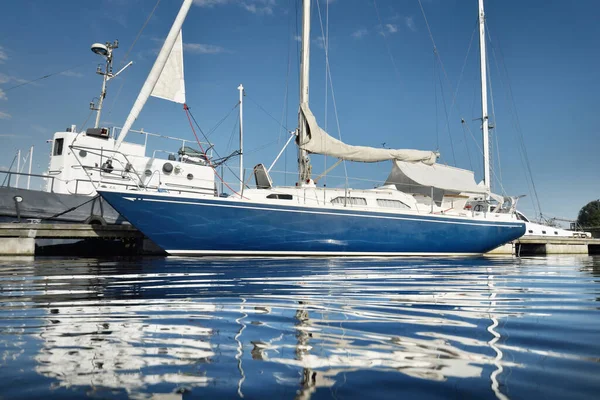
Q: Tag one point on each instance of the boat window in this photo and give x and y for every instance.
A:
(280, 196)
(58, 146)
(556, 233)
(531, 231)
(355, 201)
(543, 232)
(390, 203)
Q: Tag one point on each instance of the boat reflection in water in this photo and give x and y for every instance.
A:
(259, 328)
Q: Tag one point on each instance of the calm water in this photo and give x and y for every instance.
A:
(302, 328)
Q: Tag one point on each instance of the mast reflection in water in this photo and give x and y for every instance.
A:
(300, 328)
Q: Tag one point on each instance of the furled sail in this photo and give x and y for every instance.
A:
(320, 142)
(170, 84)
(410, 176)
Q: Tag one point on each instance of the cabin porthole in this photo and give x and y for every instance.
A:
(190, 176)
(147, 172)
(82, 153)
(167, 168)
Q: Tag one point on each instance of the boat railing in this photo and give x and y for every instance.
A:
(183, 142)
(9, 175)
(117, 170)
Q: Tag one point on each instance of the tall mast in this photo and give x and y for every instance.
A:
(303, 161)
(105, 76)
(157, 69)
(484, 109)
(106, 51)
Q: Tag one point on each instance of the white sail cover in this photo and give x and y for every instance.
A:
(444, 177)
(170, 84)
(320, 142)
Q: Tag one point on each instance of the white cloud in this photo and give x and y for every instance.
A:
(201, 48)
(3, 55)
(3, 95)
(72, 74)
(410, 23)
(320, 42)
(4, 115)
(359, 33)
(387, 29)
(297, 38)
(210, 3)
(259, 6)
(391, 28)
(253, 6)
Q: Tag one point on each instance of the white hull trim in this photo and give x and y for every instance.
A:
(259, 253)
(433, 218)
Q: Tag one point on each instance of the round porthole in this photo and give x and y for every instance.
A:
(190, 176)
(82, 153)
(167, 168)
(147, 172)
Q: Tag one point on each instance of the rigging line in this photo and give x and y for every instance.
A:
(477, 144)
(328, 69)
(284, 109)
(436, 52)
(213, 129)
(466, 144)
(215, 151)
(9, 168)
(389, 50)
(463, 67)
(516, 118)
(230, 142)
(269, 114)
(325, 36)
(495, 130)
(189, 114)
(44, 77)
(140, 33)
(447, 122)
(127, 55)
(84, 124)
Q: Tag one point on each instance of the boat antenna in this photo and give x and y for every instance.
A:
(106, 51)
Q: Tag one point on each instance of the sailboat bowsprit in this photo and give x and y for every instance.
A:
(424, 208)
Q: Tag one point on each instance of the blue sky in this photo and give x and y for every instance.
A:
(388, 86)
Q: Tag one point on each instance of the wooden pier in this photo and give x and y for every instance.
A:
(24, 238)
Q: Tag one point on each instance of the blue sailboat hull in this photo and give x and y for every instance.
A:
(221, 226)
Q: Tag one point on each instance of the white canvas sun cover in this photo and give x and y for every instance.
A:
(170, 84)
(409, 176)
(320, 142)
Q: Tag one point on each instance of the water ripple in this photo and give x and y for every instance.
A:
(345, 328)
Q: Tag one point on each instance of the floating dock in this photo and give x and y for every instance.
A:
(546, 245)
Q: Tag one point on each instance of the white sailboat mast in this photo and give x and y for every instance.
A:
(157, 69)
(484, 108)
(303, 161)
